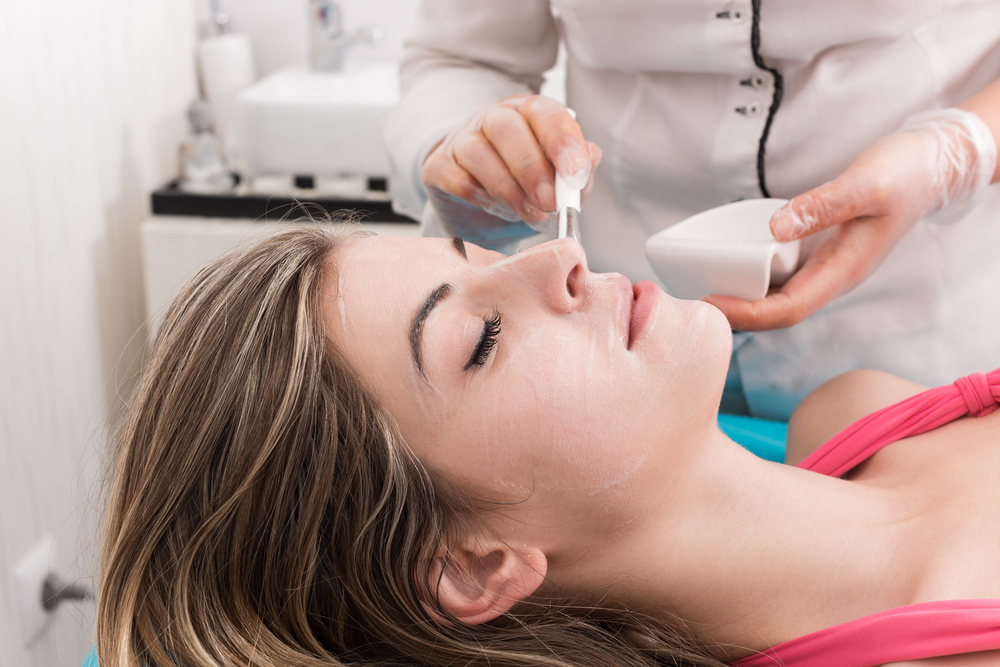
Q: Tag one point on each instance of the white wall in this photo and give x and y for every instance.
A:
(279, 29)
(92, 101)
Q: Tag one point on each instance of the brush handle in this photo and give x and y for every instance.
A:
(569, 224)
(567, 199)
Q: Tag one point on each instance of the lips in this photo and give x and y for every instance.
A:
(644, 295)
(626, 300)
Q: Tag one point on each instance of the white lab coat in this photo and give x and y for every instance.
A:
(667, 89)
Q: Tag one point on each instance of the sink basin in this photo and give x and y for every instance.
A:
(320, 123)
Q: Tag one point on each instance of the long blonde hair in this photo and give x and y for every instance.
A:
(263, 510)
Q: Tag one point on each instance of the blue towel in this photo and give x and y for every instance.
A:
(91, 659)
(763, 437)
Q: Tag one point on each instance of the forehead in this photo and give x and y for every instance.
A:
(374, 280)
(371, 294)
(398, 272)
(378, 260)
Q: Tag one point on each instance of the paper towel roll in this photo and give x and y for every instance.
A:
(226, 64)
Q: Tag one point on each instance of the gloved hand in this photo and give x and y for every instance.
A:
(935, 167)
(495, 171)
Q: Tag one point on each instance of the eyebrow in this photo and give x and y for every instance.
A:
(459, 244)
(417, 327)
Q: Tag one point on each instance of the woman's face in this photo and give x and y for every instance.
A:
(529, 379)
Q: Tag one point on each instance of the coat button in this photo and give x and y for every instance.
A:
(736, 12)
(751, 110)
(759, 80)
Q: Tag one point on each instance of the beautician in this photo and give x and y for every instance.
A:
(880, 119)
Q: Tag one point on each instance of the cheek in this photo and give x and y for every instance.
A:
(567, 419)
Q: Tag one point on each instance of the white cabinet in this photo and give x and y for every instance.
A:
(174, 248)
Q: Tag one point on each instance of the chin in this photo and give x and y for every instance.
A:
(712, 339)
(706, 320)
(718, 333)
(719, 323)
(696, 343)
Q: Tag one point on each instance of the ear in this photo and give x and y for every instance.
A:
(479, 581)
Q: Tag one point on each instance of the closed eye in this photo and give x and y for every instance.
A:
(487, 341)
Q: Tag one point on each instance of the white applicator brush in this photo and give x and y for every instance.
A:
(568, 205)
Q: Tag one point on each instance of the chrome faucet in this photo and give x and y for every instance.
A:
(330, 41)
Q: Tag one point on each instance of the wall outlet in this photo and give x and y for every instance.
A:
(29, 578)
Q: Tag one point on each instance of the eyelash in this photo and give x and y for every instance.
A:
(487, 341)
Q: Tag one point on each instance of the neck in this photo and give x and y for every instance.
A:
(753, 553)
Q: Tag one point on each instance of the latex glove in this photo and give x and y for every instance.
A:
(495, 172)
(935, 167)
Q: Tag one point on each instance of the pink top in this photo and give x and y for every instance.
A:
(916, 631)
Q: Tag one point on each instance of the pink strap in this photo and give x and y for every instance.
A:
(975, 395)
(917, 631)
(978, 394)
(913, 632)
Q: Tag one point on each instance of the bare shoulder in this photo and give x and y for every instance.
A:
(838, 403)
(977, 659)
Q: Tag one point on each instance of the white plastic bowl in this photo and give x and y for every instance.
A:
(725, 250)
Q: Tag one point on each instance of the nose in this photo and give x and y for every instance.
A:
(556, 271)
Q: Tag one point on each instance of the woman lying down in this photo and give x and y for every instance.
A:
(361, 450)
